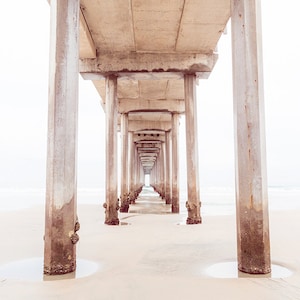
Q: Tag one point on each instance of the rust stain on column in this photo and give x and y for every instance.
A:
(60, 254)
(254, 244)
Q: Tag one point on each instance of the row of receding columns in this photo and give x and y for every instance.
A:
(193, 202)
(61, 222)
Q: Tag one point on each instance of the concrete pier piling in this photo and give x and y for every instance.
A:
(253, 241)
(61, 190)
(111, 104)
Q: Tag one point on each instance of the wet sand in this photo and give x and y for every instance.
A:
(151, 256)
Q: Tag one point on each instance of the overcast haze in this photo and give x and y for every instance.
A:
(24, 31)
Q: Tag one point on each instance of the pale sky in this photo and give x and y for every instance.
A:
(24, 32)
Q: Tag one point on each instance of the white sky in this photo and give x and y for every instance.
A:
(24, 42)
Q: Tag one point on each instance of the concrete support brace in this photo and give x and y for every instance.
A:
(61, 192)
(251, 180)
(111, 113)
(175, 163)
(193, 203)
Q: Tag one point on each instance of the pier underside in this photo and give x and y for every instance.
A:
(146, 59)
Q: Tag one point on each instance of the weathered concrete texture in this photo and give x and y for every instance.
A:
(111, 104)
(131, 151)
(193, 202)
(87, 47)
(251, 178)
(168, 171)
(171, 105)
(175, 164)
(111, 213)
(193, 213)
(151, 62)
(61, 187)
(156, 26)
(254, 243)
(125, 202)
(124, 164)
(60, 252)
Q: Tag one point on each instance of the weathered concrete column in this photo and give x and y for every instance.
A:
(135, 174)
(251, 179)
(175, 163)
(130, 160)
(111, 112)
(138, 172)
(168, 177)
(61, 190)
(163, 169)
(142, 175)
(193, 203)
(124, 163)
(159, 173)
(131, 167)
(153, 175)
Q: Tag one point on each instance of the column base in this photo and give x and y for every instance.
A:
(59, 269)
(112, 222)
(193, 213)
(253, 270)
(168, 200)
(125, 201)
(175, 209)
(190, 221)
(124, 209)
(111, 214)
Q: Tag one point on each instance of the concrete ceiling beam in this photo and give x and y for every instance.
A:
(149, 125)
(87, 48)
(171, 105)
(119, 62)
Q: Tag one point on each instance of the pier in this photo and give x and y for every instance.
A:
(145, 59)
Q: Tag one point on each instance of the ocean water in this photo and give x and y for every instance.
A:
(22, 198)
(215, 200)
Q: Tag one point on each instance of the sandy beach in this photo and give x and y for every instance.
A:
(150, 256)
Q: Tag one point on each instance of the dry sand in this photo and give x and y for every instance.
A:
(154, 256)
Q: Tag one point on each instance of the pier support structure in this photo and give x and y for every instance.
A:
(193, 203)
(168, 173)
(161, 164)
(253, 242)
(111, 113)
(175, 163)
(131, 175)
(124, 163)
(61, 191)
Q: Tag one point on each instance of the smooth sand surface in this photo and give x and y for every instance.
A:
(151, 256)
